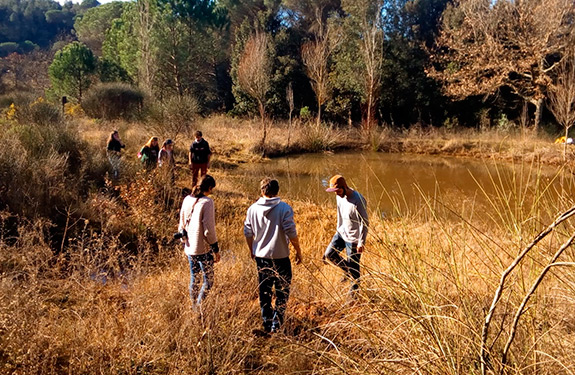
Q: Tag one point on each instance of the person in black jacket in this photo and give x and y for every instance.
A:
(114, 151)
(199, 157)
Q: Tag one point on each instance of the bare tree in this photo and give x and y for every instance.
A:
(486, 44)
(146, 25)
(315, 55)
(562, 94)
(371, 46)
(254, 71)
(365, 25)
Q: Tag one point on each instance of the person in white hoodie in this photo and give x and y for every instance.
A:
(197, 218)
(269, 228)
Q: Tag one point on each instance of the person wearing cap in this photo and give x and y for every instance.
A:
(269, 228)
(351, 233)
(199, 157)
(166, 155)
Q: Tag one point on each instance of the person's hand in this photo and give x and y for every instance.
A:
(217, 257)
(360, 249)
(298, 258)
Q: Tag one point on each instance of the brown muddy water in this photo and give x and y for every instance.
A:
(397, 184)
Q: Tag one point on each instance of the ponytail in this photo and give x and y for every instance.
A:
(203, 186)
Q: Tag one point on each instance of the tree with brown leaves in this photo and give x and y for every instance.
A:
(254, 72)
(315, 55)
(487, 44)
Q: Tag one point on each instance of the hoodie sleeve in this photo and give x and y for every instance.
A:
(209, 221)
(248, 230)
(288, 224)
(364, 220)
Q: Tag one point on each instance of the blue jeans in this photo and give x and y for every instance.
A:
(273, 273)
(201, 264)
(350, 265)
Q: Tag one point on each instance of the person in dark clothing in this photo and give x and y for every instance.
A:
(166, 156)
(114, 151)
(149, 153)
(199, 157)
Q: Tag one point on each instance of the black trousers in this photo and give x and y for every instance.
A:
(273, 273)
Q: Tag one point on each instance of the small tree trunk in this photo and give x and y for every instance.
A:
(369, 114)
(349, 121)
(80, 90)
(264, 125)
(565, 144)
(289, 129)
(538, 113)
(318, 113)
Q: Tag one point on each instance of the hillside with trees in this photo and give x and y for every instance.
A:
(401, 62)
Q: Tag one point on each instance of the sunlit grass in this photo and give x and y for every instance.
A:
(113, 298)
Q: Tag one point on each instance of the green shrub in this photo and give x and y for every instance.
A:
(174, 116)
(18, 99)
(43, 168)
(8, 48)
(305, 113)
(39, 112)
(113, 100)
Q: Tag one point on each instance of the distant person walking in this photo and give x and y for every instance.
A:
(199, 157)
(197, 218)
(149, 153)
(351, 233)
(269, 227)
(114, 152)
(166, 155)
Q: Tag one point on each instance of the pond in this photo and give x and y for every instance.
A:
(397, 183)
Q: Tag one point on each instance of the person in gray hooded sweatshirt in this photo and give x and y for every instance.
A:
(269, 228)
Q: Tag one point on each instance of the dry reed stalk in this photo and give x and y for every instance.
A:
(485, 330)
(527, 297)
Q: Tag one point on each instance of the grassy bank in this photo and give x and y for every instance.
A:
(110, 295)
(238, 140)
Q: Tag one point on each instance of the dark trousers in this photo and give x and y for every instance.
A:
(350, 265)
(198, 168)
(273, 273)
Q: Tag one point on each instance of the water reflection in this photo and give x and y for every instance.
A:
(396, 183)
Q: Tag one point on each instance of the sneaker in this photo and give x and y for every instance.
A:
(261, 333)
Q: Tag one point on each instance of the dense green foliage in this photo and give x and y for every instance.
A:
(92, 25)
(38, 21)
(72, 69)
(374, 57)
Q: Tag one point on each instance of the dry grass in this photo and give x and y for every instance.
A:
(114, 299)
(238, 140)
